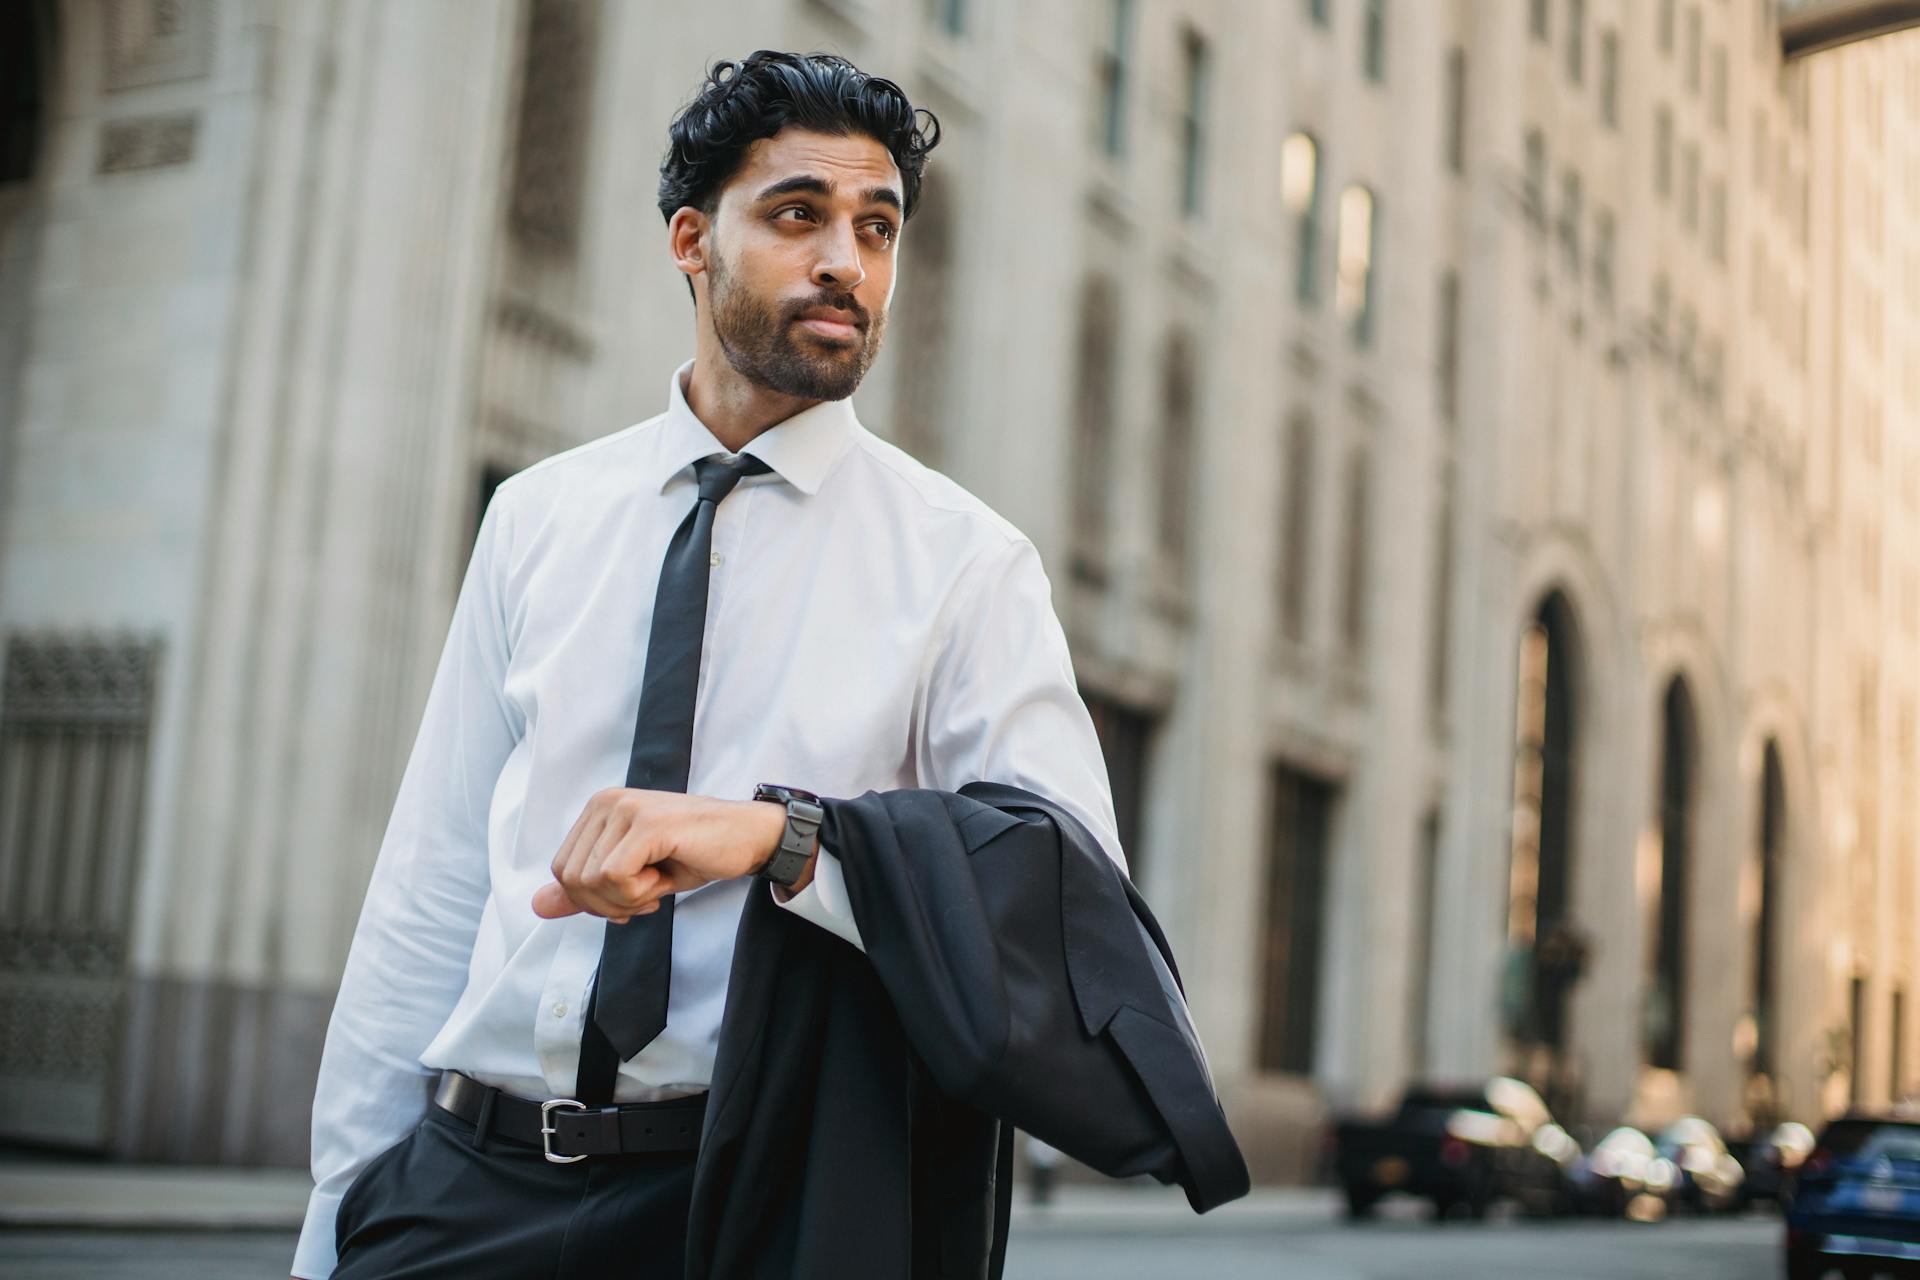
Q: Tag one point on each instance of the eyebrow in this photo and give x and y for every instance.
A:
(821, 187)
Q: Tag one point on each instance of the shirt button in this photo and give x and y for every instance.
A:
(559, 1008)
(713, 560)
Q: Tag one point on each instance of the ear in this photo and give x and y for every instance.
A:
(688, 238)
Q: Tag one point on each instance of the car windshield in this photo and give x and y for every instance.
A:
(1872, 1140)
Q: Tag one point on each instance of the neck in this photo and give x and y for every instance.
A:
(733, 407)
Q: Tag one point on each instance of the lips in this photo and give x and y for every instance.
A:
(829, 323)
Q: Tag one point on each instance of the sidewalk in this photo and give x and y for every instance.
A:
(73, 1195)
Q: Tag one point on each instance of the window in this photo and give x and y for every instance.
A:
(550, 144)
(1125, 736)
(1896, 1045)
(1665, 27)
(1353, 588)
(1717, 89)
(25, 39)
(1317, 12)
(1535, 191)
(77, 711)
(1690, 186)
(1603, 256)
(1537, 20)
(1113, 73)
(1421, 978)
(1300, 813)
(1610, 78)
(1296, 529)
(1178, 441)
(1664, 1017)
(1442, 603)
(1857, 1037)
(1576, 40)
(1373, 50)
(950, 16)
(1693, 49)
(1663, 151)
(1193, 122)
(1448, 355)
(1300, 194)
(1354, 261)
(1569, 224)
(1456, 113)
(1093, 425)
(923, 389)
(1717, 220)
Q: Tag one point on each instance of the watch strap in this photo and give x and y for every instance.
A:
(799, 838)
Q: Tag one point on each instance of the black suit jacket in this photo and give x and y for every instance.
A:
(863, 1106)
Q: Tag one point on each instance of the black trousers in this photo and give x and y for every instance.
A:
(443, 1202)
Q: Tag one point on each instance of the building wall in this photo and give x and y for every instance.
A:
(1298, 541)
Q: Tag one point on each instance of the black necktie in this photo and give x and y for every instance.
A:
(629, 1003)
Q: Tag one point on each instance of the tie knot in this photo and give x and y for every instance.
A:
(717, 476)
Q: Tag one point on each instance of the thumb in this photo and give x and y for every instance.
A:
(552, 902)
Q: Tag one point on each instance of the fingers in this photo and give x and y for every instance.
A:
(602, 868)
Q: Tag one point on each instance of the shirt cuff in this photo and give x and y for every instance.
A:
(314, 1258)
(824, 901)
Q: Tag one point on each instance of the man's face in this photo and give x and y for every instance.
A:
(800, 262)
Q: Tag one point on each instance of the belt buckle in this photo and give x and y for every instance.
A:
(547, 1130)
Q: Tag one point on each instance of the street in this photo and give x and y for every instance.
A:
(1226, 1248)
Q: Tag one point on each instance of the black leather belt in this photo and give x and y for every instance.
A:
(565, 1130)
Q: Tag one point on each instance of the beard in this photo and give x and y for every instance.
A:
(765, 344)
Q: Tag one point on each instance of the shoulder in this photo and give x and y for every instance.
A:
(930, 499)
(562, 480)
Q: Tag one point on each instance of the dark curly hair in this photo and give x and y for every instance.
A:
(742, 102)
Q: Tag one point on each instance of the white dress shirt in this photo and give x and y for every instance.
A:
(870, 625)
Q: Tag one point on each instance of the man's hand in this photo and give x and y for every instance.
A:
(631, 847)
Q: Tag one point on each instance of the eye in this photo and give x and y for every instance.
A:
(888, 231)
(794, 208)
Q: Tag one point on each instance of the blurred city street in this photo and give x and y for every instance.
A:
(67, 1221)
(1229, 1247)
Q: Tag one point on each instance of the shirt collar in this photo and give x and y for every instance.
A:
(801, 449)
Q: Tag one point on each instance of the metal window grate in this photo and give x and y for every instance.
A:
(75, 714)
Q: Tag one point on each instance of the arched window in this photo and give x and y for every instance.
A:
(1300, 195)
(1666, 992)
(1769, 849)
(1543, 942)
(1354, 261)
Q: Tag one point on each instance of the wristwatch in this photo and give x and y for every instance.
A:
(798, 840)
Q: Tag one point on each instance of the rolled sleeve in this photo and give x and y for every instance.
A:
(824, 901)
(1002, 704)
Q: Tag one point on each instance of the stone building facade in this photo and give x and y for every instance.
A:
(1475, 446)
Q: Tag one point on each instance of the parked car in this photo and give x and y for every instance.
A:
(1455, 1146)
(1771, 1159)
(1624, 1175)
(1856, 1197)
(1707, 1178)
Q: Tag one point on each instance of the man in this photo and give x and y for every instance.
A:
(748, 589)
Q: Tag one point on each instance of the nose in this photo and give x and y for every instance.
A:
(839, 262)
